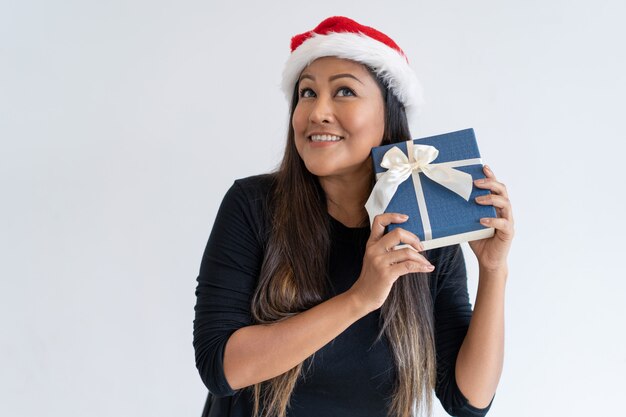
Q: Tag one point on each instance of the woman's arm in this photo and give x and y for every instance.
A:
(479, 363)
(229, 349)
(260, 352)
(228, 275)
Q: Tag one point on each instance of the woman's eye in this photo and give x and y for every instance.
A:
(345, 92)
(306, 92)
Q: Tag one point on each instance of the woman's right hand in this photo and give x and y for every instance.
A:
(382, 265)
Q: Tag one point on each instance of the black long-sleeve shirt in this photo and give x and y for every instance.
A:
(352, 376)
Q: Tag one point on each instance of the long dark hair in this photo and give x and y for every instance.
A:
(294, 271)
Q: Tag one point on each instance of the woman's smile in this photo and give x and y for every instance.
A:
(325, 138)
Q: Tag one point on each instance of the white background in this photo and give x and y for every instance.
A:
(122, 124)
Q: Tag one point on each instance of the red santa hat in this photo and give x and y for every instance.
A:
(344, 38)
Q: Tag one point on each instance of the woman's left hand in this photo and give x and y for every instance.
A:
(492, 252)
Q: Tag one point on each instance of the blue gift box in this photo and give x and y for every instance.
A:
(452, 218)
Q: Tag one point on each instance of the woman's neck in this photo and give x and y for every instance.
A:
(346, 197)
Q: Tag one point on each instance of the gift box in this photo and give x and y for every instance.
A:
(432, 181)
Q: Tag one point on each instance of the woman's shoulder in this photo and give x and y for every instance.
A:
(256, 184)
(254, 191)
(249, 201)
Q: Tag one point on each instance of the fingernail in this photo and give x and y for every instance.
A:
(487, 168)
(430, 267)
(404, 216)
(480, 181)
(485, 221)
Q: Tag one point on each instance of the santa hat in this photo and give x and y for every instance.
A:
(344, 38)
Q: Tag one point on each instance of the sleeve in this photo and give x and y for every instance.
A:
(226, 282)
(453, 313)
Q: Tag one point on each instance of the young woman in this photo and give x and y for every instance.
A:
(303, 308)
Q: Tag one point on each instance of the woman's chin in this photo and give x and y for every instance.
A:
(320, 171)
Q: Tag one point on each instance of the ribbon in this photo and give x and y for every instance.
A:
(400, 167)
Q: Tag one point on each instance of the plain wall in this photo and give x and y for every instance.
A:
(122, 124)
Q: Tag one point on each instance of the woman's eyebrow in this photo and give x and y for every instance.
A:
(303, 76)
(334, 77)
(331, 78)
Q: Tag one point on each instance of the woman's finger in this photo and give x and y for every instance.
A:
(381, 221)
(398, 236)
(491, 183)
(501, 203)
(408, 267)
(405, 254)
(503, 225)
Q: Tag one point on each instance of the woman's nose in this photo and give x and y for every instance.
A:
(322, 111)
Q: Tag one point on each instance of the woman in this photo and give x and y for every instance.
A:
(303, 309)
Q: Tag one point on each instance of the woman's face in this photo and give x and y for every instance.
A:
(339, 117)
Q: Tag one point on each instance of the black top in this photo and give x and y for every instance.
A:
(351, 376)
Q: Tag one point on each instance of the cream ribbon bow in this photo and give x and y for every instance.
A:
(400, 168)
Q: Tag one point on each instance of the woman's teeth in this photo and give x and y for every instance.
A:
(325, 138)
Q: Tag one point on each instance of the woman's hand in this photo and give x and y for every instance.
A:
(492, 252)
(382, 265)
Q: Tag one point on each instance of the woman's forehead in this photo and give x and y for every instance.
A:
(330, 64)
